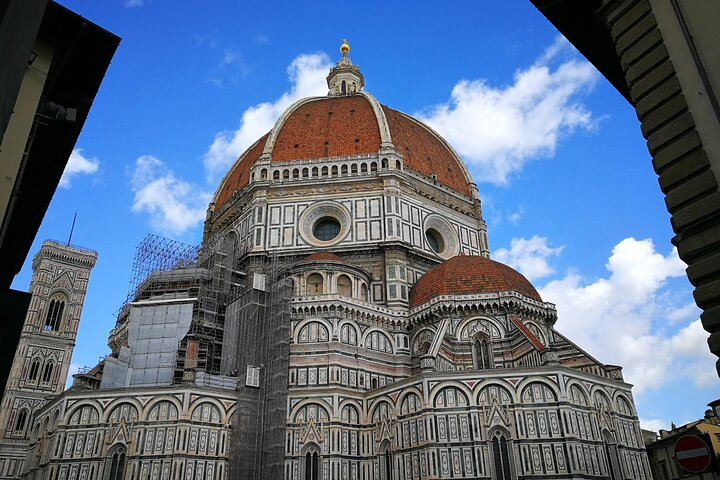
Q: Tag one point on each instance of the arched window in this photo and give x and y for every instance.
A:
(312, 466)
(34, 370)
(54, 312)
(343, 170)
(315, 284)
(386, 470)
(483, 354)
(47, 372)
(343, 87)
(362, 288)
(344, 286)
(612, 454)
(21, 420)
(276, 175)
(501, 457)
(117, 460)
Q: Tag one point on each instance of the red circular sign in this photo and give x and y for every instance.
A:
(692, 454)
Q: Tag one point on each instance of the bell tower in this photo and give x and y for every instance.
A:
(42, 359)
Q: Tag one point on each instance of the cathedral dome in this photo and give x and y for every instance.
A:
(466, 275)
(323, 256)
(348, 125)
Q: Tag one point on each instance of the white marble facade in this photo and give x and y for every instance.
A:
(397, 369)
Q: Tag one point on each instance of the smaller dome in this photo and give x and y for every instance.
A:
(323, 256)
(466, 275)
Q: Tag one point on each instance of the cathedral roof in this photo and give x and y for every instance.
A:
(323, 255)
(349, 122)
(465, 275)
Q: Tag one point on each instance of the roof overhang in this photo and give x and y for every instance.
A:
(83, 52)
(580, 21)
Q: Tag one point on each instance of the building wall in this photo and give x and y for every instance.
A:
(42, 360)
(14, 142)
(168, 433)
(679, 118)
(442, 425)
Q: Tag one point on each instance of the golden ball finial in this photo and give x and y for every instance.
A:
(345, 47)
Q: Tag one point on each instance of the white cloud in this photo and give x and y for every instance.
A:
(654, 424)
(622, 319)
(515, 217)
(684, 312)
(530, 257)
(261, 39)
(78, 164)
(231, 55)
(72, 370)
(174, 205)
(133, 3)
(498, 129)
(307, 76)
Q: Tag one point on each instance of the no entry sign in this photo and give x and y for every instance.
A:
(692, 454)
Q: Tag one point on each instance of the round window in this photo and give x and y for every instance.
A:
(435, 240)
(326, 229)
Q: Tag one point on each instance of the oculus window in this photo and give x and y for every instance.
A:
(326, 229)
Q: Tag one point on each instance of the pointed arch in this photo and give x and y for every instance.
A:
(21, 420)
(34, 370)
(482, 352)
(611, 452)
(311, 470)
(385, 458)
(116, 462)
(501, 458)
(54, 313)
(48, 372)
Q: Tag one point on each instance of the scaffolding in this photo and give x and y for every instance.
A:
(158, 254)
(258, 437)
(240, 319)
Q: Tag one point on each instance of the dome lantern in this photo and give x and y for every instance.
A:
(345, 78)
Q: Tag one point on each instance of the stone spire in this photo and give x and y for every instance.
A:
(345, 78)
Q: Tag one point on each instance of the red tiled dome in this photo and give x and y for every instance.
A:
(323, 255)
(465, 274)
(322, 127)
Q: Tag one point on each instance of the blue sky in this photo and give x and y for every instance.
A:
(566, 181)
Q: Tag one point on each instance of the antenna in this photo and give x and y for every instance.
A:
(72, 228)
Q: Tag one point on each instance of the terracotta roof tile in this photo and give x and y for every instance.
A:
(338, 126)
(466, 274)
(328, 127)
(423, 152)
(239, 174)
(527, 333)
(323, 255)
